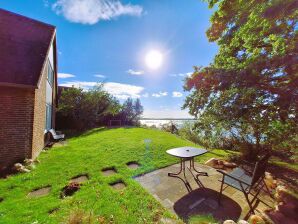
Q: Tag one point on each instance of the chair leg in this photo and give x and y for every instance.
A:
(251, 210)
(220, 193)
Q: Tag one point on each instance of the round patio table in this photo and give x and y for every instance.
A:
(187, 154)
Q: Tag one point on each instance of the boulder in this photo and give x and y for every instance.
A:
(229, 165)
(211, 162)
(269, 181)
(256, 219)
(28, 162)
(20, 168)
(280, 193)
(229, 222)
(220, 162)
(242, 222)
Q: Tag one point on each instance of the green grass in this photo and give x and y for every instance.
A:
(88, 154)
(291, 166)
(202, 219)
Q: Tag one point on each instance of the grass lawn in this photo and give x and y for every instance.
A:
(88, 154)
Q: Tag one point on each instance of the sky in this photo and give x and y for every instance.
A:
(138, 48)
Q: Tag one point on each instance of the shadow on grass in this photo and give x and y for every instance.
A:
(72, 133)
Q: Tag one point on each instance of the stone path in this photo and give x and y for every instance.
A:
(173, 194)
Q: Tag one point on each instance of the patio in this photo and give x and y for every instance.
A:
(173, 194)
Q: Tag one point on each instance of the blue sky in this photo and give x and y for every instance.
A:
(108, 40)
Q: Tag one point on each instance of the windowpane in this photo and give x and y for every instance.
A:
(50, 74)
(48, 117)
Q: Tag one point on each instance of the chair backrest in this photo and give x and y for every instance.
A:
(260, 168)
(53, 132)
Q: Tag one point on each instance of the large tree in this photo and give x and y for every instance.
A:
(249, 93)
(86, 109)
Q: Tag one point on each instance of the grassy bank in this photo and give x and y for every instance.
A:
(88, 154)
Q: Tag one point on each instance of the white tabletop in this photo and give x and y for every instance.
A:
(186, 152)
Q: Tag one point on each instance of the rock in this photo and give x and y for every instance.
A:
(255, 219)
(28, 162)
(269, 181)
(18, 166)
(219, 162)
(167, 221)
(211, 162)
(229, 165)
(229, 222)
(218, 166)
(280, 193)
(242, 222)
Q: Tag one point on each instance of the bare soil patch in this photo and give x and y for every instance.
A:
(133, 165)
(70, 189)
(80, 178)
(40, 192)
(118, 185)
(109, 171)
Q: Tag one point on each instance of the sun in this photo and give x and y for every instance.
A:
(154, 59)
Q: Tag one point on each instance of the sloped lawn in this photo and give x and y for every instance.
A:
(87, 155)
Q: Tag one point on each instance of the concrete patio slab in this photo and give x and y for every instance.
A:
(173, 194)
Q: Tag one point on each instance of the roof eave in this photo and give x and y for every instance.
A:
(22, 86)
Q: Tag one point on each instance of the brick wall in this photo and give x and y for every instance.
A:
(39, 117)
(16, 120)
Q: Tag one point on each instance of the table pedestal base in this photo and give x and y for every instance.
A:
(192, 170)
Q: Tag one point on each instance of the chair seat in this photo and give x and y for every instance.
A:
(239, 174)
(56, 137)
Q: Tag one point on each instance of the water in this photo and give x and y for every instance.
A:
(159, 122)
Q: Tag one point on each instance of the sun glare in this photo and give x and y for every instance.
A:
(154, 59)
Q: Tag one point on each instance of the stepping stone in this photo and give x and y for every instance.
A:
(109, 171)
(119, 185)
(80, 178)
(40, 192)
(133, 165)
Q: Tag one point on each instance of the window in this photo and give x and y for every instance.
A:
(50, 76)
(49, 96)
(48, 117)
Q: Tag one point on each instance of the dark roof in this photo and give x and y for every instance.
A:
(24, 45)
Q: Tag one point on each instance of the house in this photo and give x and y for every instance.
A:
(28, 86)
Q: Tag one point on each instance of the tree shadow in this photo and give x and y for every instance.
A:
(203, 201)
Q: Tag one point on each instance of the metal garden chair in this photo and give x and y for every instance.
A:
(248, 184)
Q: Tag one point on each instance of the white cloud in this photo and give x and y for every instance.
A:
(177, 94)
(65, 75)
(46, 3)
(135, 72)
(92, 11)
(99, 76)
(160, 94)
(79, 84)
(187, 74)
(123, 91)
(166, 113)
(119, 90)
(145, 95)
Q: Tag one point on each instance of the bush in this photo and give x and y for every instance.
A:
(80, 110)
